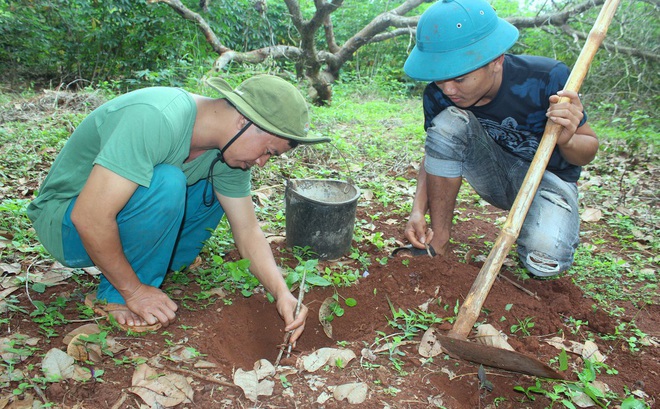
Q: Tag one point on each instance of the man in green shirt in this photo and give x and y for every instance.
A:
(132, 190)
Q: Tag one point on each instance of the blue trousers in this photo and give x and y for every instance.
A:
(457, 145)
(162, 227)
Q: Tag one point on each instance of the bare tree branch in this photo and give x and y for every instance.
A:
(612, 47)
(555, 19)
(321, 67)
(204, 27)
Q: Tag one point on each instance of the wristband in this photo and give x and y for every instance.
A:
(584, 119)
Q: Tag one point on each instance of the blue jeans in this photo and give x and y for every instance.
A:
(457, 145)
(162, 227)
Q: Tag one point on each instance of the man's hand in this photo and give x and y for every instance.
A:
(417, 232)
(286, 307)
(577, 144)
(152, 305)
(567, 113)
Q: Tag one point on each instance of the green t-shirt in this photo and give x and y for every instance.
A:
(128, 135)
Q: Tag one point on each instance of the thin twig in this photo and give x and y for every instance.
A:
(36, 389)
(120, 401)
(521, 288)
(200, 376)
(287, 337)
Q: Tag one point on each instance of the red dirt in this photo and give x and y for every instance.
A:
(236, 335)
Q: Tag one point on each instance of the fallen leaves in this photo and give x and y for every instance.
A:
(591, 215)
(57, 365)
(587, 350)
(325, 356)
(326, 315)
(253, 383)
(429, 346)
(159, 389)
(489, 335)
(354, 393)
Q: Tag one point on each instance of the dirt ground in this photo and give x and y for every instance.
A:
(235, 332)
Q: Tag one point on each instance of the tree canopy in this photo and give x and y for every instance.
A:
(173, 42)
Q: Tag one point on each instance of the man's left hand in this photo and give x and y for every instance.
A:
(567, 113)
(286, 306)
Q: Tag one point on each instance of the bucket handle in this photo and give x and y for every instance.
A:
(349, 180)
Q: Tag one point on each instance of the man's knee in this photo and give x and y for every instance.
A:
(447, 141)
(451, 123)
(550, 235)
(543, 265)
(556, 199)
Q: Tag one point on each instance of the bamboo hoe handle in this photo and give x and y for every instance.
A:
(471, 307)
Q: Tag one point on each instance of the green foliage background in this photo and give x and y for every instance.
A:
(126, 44)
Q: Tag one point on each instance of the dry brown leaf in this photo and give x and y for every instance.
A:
(13, 268)
(591, 215)
(319, 358)
(93, 271)
(367, 194)
(77, 349)
(590, 351)
(10, 347)
(87, 329)
(263, 368)
(355, 393)
(429, 346)
(559, 343)
(325, 312)
(57, 365)
(156, 389)
(249, 382)
(489, 335)
(202, 364)
(368, 354)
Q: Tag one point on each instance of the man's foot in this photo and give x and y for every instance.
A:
(125, 318)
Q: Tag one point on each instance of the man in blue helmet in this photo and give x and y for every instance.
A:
(485, 113)
(146, 177)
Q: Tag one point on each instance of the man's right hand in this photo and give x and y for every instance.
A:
(152, 305)
(416, 231)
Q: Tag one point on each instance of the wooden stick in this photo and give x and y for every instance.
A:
(200, 376)
(470, 309)
(520, 287)
(287, 337)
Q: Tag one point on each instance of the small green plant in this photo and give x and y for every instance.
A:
(392, 391)
(100, 339)
(524, 326)
(575, 324)
(628, 333)
(566, 392)
(231, 275)
(339, 363)
(49, 316)
(285, 382)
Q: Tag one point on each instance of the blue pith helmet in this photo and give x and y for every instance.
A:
(455, 37)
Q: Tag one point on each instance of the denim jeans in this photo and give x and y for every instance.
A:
(457, 145)
(161, 228)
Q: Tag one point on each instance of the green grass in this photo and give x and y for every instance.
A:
(377, 140)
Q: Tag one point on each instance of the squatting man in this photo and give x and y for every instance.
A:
(144, 180)
(485, 112)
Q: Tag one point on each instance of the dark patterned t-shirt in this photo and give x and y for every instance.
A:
(515, 118)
